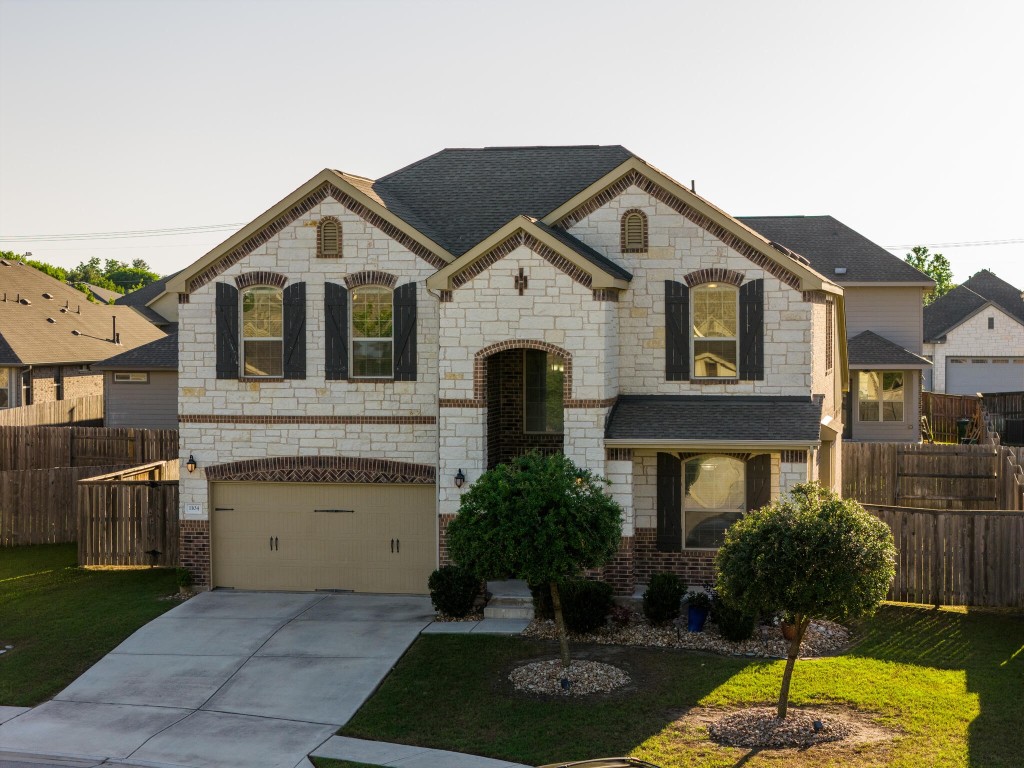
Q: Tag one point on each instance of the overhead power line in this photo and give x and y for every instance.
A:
(972, 244)
(122, 235)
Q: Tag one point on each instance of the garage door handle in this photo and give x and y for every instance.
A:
(271, 543)
(392, 546)
(277, 543)
(398, 545)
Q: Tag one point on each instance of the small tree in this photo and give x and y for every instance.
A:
(810, 555)
(936, 266)
(538, 518)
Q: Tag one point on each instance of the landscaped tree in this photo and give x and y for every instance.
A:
(539, 518)
(936, 266)
(811, 555)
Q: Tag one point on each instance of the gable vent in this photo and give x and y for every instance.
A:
(634, 232)
(330, 238)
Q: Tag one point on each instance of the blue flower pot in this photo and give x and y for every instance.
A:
(696, 618)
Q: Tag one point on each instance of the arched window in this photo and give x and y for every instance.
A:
(634, 231)
(372, 332)
(262, 331)
(329, 238)
(715, 331)
(714, 497)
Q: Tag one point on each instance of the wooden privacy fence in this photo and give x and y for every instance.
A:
(125, 516)
(968, 477)
(956, 558)
(941, 413)
(40, 447)
(37, 506)
(79, 410)
(1004, 412)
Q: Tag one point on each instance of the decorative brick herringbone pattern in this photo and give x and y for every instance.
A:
(372, 277)
(322, 469)
(261, 278)
(716, 275)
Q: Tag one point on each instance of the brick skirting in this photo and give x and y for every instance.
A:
(194, 551)
(696, 567)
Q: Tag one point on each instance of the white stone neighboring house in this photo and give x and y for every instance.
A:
(884, 322)
(975, 337)
(352, 360)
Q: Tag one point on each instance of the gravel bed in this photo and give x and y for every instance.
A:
(761, 728)
(822, 637)
(444, 618)
(584, 677)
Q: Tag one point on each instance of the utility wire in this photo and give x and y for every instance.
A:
(972, 244)
(127, 234)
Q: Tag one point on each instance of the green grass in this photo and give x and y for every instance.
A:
(62, 619)
(949, 682)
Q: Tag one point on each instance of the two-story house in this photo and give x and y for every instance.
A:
(884, 322)
(352, 360)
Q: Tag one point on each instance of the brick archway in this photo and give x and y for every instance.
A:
(480, 364)
(322, 469)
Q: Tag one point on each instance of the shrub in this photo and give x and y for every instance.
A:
(184, 577)
(543, 608)
(734, 624)
(662, 597)
(453, 590)
(585, 604)
(701, 600)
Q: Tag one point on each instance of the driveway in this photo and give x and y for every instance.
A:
(227, 679)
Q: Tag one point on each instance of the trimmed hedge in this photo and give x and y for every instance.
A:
(453, 590)
(662, 598)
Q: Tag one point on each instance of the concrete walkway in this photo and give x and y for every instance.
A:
(224, 680)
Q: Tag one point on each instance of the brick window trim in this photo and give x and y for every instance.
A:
(370, 277)
(715, 275)
(319, 238)
(480, 365)
(263, 277)
(622, 232)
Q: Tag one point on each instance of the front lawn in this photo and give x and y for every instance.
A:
(947, 682)
(62, 619)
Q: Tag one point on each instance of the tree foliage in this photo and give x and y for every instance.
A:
(539, 518)
(42, 266)
(936, 266)
(810, 555)
(113, 275)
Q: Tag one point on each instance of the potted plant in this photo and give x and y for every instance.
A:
(698, 604)
(184, 577)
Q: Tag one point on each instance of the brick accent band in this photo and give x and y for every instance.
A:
(183, 298)
(373, 277)
(202, 418)
(503, 249)
(716, 275)
(261, 278)
(445, 295)
(322, 469)
(794, 457)
(659, 193)
(608, 402)
(606, 294)
(464, 403)
(302, 207)
(618, 454)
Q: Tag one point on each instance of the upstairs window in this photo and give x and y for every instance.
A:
(329, 238)
(715, 331)
(881, 395)
(262, 332)
(372, 333)
(543, 381)
(634, 232)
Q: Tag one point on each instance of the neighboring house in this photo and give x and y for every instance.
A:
(50, 334)
(101, 295)
(352, 360)
(975, 337)
(884, 321)
(154, 303)
(140, 386)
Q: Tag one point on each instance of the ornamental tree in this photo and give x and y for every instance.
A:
(539, 518)
(811, 555)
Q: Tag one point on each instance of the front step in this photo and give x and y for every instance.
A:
(510, 599)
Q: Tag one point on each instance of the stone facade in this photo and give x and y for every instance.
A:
(973, 338)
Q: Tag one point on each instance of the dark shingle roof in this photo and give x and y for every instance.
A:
(103, 295)
(142, 296)
(158, 355)
(458, 197)
(828, 244)
(584, 250)
(963, 301)
(728, 419)
(868, 348)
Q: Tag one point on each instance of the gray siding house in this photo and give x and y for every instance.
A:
(884, 321)
(141, 386)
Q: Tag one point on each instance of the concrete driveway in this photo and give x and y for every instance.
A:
(227, 679)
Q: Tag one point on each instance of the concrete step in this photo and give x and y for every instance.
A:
(509, 608)
(508, 588)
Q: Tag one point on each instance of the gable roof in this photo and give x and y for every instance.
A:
(829, 245)
(967, 299)
(103, 295)
(460, 196)
(40, 333)
(868, 349)
(159, 355)
(140, 297)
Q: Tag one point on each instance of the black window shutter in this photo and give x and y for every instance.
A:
(336, 312)
(227, 331)
(759, 481)
(752, 331)
(670, 503)
(295, 331)
(677, 331)
(405, 332)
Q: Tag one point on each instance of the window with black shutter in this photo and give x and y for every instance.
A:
(227, 331)
(759, 481)
(752, 331)
(405, 332)
(295, 331)
(336, 341)
(670, 508)
(677, 331)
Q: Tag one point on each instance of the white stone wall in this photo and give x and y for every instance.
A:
(677, 247)
(792, 473)
(292, 253)
(974, 339)
(620, 487)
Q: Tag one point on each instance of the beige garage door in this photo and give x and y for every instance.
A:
(308, 536)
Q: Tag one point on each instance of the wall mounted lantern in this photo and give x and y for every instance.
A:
(190, 465)
(459, 479)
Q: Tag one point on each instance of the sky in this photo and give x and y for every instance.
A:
(904, 120)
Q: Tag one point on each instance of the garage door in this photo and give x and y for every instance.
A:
(970, 375)
(309, 536)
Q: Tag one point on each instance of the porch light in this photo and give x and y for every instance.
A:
(190, 465)
(459, 479)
